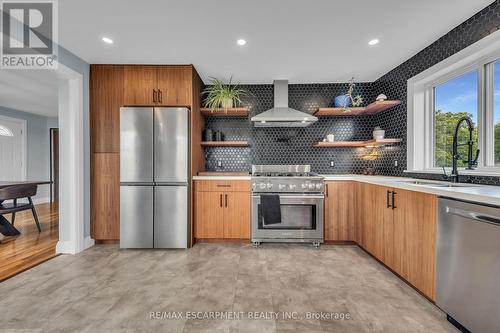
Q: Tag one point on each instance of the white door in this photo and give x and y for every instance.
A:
(11, 149)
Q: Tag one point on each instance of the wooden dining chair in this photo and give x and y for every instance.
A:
(14, 193)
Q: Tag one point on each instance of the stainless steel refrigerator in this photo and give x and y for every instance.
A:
(154, 160)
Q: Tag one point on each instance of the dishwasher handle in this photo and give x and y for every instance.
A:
(485, 218)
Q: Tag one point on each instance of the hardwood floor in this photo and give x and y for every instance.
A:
(30, 248)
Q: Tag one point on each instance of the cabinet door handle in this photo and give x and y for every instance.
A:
(154, 95)
(388, 202)
(394, 200)
(226, 200)
(221, 199)
(160, 96)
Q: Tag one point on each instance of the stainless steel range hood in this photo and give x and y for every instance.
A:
(281, 115)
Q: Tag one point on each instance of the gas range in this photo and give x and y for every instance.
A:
(287, 204)
(285, 179)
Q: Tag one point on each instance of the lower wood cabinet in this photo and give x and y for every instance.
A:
(222, 209)
(399, 229)
(339, 211)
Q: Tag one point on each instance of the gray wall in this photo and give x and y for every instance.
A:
(38, 146)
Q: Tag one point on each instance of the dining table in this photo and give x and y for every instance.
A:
(6, 228)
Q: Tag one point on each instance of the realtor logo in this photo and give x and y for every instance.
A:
(29, 34)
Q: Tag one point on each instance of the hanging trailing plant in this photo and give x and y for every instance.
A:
(221, 95)
(355, 100)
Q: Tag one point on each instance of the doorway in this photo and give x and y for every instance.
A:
(54, 165)
(12, 149)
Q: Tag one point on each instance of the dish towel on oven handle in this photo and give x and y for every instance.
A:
(271, 208)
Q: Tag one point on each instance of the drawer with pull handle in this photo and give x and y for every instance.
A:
(222, 185)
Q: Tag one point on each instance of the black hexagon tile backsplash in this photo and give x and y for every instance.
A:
(295, 145)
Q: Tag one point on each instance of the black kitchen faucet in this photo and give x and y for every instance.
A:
(471, 162)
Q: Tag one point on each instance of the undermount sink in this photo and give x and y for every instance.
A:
(432, 184)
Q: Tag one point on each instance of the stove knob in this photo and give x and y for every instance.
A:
(262, 186)
(311, 186)
(281, 186)
(292, 186)
(304, 186)
(269, 186)
(318, 186)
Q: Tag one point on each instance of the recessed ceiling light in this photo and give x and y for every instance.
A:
(373, 42)
(241, 42)
(107, 40)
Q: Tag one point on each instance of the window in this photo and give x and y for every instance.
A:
(453, 100)
(5, 131)
(496, 112)
(464, 84)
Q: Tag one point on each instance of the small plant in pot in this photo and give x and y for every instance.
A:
(221, 95)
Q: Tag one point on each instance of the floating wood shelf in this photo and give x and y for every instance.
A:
(221, 112)
(371, 109)
(225, 143)
(368, 143)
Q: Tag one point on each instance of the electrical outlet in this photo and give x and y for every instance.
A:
(219, 164)
(332, 164)
(395, 163)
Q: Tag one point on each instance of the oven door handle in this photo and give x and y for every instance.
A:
(295, 196)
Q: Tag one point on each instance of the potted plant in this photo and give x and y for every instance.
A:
(222, 95)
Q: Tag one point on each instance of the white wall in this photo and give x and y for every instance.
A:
(38, 148)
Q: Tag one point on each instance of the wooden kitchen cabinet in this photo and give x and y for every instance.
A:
(106, 98)
(236, 215)
(339, 211)
(222, 209)
(415, 222)
(374, 216)
(209, 214)
(174, 83)
(169, 85)
(140, 84)
(105, 199)
(400, 231)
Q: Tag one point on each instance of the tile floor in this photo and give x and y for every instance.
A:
(105, 289)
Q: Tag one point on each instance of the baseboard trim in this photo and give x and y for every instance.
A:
(68, 247)
(88, 242)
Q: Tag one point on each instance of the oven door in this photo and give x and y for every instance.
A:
(301, 218)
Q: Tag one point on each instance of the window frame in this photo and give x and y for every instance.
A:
(480, 56)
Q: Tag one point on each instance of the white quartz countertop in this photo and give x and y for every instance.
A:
(222, 177)
(486, 194)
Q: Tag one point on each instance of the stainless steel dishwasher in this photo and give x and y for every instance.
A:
(468, 265)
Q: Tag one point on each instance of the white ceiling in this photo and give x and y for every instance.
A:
(33, 91)
(304, 41)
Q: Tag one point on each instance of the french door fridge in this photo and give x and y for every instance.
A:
(154, 160)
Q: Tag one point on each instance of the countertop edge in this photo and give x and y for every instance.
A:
(490, 195)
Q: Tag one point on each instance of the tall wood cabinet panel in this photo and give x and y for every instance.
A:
(140, 82)
(105, 198)
(106, 98)
(174, 84)
(114, 86)
(339, 211)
